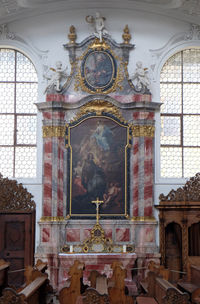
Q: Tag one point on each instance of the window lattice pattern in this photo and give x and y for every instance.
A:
(180, 115)
(18, 93)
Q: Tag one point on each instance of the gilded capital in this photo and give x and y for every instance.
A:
(143, 131)
(53, 131)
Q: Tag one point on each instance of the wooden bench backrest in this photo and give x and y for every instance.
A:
(3, 272)
(195, 274)
(29, 295)
(166, 293)
(29, 290)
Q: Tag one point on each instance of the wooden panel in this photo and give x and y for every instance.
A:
(17, 243)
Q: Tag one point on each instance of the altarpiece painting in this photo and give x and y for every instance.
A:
(98, 162)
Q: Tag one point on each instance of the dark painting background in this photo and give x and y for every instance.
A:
(98, 166)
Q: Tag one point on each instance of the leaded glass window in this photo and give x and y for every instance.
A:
(180, 115)
(18, 115)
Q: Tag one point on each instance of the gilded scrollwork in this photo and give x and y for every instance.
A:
(99, 107)
(14, 197)
(189, 192)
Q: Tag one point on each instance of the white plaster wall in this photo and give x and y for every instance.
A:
(48, 32)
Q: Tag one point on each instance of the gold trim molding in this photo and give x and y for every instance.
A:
(99, 107)
(143, 219)
(53, 131)
(143, 131)
(52, 219)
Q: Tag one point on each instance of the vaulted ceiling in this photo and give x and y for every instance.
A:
(186, 10)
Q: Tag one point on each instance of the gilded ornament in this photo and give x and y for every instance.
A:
(143, 131)
(72, 35)
(143, 219)
(104, 56)
(99, 107)
(52, 219)
(126, 35)
(53, 131)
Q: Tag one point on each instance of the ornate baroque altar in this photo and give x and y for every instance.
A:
(98, 141)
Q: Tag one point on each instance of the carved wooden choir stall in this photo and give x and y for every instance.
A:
(179, 217)
(17, 228)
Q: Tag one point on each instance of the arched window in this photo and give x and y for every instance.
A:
(180, 115)
(18, 114)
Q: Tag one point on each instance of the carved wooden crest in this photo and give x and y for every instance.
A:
(189, 192)
(11, 297)
(14, 197)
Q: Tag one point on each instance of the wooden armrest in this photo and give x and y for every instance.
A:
(144, 286)
(33, 286)
(146, 300)
(188, 286)
(4, 266)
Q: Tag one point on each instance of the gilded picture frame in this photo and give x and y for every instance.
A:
(98, 165)
(98, 70)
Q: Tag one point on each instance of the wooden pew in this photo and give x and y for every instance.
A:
(191, 283)
(162, 292)
(117, 294)
(73, 292)
(4, 266)
(41, 266)
(33, 293)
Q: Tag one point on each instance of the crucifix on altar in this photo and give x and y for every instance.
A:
(97, 202)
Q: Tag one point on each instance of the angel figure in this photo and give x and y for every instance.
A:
(141, 77)
(55, 79)
(98, 23)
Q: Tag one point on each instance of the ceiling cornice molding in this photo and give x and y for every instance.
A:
(22, 9)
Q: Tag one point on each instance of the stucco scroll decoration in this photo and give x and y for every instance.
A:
(14, 197)
(178, 41)
(5, 33)
(189, 192)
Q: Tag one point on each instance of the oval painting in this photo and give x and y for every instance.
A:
(99, 69)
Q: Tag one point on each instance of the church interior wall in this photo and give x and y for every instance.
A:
(48, 33)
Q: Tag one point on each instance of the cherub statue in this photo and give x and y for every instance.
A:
(55, 79)
(98, 23)
(141, 77)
